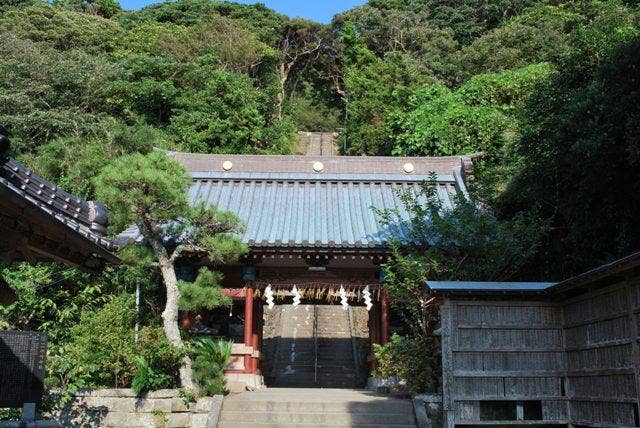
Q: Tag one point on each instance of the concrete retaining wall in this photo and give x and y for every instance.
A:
(121, 408)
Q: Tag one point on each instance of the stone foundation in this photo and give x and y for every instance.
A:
(122, 408)
(240, 382)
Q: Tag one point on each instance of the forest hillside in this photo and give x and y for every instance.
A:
(546, 91)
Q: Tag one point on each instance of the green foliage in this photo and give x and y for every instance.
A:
(443, 124)
(144, 189)
(223, 117)
(260, 20)
(416, 361)
(147, 379)
(462, 242)
(203, 293)
(61, 28)
(48, 94)
(310, 116)
(159, 354)
(481, 116)
(580, 147)
(105, 358)
(101, 351)
(540, 34)
(51, 298)
(374, 87)
(210, 359)
(187, 396)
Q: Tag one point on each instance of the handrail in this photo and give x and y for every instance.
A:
(315, 340)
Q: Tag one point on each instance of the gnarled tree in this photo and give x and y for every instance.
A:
(150, 191)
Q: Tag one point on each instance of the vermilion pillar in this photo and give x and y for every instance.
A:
(384, 318)
(248, 328)
(255, 335)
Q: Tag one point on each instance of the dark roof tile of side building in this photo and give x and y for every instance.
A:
(46, 222)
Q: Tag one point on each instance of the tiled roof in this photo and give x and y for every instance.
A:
(28, 198)
(88, 218)
(284, 203)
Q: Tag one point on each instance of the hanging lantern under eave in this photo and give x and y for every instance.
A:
(382, 278)
(249, 273)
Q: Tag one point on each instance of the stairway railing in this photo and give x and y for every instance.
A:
(315, 343)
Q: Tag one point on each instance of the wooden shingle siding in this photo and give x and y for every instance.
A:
(487, 339)
(597, 413)
(503, 351)
(579, 356)
(554, 410)
(602, 355)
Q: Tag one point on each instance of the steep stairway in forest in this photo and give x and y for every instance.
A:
(312, 407)
(315, 349)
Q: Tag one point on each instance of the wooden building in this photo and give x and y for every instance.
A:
(41, 222)
(311, 231)
(541, 353)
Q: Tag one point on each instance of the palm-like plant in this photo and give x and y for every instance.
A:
(210, 357)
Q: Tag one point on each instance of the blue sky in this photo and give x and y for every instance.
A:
(318, 10)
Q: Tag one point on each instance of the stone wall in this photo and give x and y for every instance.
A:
(122, 408)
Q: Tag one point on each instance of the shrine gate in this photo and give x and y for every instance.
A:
(316, 244)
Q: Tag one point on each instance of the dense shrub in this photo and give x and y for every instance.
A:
(147, 379)
(103, 352)
(417, 361)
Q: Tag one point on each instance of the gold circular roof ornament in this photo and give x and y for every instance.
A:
(318, 166)
(227, 165)
(408, 168)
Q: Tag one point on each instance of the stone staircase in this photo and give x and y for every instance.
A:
(315, 348)
(294, 360)
(306, 407)
(336, 359)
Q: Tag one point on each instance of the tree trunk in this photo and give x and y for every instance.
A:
(283, 73)
(170, 313)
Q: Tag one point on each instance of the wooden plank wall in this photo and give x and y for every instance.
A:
(601, 340)
(580, 357)
(498, 351)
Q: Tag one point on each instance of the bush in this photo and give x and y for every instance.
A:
(159, 354)
(103, 352)
(103, 343)
(417, 361)
(210, 359)
(148, 379)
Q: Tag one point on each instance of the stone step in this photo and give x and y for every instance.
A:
(266, 425)
(385, 419)
(395, 406)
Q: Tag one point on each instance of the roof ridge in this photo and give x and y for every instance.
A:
(325, 157)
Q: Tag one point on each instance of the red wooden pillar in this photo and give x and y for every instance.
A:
(384, 318)
(374, 328)
(255, 335)
(248, 328)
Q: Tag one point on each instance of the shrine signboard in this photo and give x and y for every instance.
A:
(22, 367)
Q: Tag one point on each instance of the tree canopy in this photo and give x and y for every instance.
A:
(545, 95)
